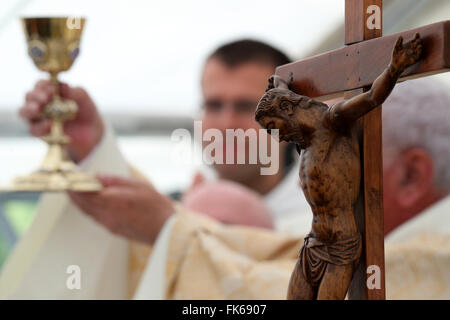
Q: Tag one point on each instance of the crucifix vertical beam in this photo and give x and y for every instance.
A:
(363, 21)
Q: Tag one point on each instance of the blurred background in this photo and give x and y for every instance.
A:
(141, 61)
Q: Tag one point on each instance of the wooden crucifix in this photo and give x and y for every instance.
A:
(340, 146)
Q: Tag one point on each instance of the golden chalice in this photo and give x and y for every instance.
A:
(53, 44)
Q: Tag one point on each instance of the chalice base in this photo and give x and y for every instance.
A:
(57, 172)
(55, 181)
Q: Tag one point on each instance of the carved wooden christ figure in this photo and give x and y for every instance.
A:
(330, 172)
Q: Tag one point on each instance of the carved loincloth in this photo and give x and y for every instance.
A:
(315, 256)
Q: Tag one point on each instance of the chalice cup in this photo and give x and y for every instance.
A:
(53, 45)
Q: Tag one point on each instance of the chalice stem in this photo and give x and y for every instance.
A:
(56, 154)
(54, 47)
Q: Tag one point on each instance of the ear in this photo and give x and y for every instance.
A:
(287, 106)
(416, 178)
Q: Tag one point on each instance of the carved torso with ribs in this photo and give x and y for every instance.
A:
(330, 174)
(330, 168)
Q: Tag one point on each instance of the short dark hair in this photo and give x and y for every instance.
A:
(243, 51)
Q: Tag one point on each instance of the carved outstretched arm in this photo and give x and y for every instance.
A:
(348, 111)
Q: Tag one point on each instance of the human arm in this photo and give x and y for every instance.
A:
(127, 207)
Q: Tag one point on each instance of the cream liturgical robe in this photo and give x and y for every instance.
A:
(197, 258)
(60, 237)
(418, 256)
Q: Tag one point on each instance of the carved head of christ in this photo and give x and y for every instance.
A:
(295, 116)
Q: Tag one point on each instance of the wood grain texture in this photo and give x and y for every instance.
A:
(358, 65)
(369, 213)
(354, 21)
(356, 16)
(357, 289)
(373, 199)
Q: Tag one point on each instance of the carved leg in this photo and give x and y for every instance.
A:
(299, 288)
(335, 282)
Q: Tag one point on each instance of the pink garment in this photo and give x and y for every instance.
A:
(229, 203)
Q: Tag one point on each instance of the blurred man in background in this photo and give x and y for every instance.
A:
(416, 151)
(233, 80)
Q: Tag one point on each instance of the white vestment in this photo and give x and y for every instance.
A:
(417, 260)
(61, 236)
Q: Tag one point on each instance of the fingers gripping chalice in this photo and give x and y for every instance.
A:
(53, 45)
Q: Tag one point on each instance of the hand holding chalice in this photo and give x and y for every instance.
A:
(53, 45)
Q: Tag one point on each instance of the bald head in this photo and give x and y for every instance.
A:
(417, 115)
(416, 149)
(229, 203)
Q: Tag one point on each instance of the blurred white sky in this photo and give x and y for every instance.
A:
(146, 56)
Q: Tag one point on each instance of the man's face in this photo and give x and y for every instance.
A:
(230, 96)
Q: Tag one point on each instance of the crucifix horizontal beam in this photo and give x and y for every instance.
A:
(357, 66)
